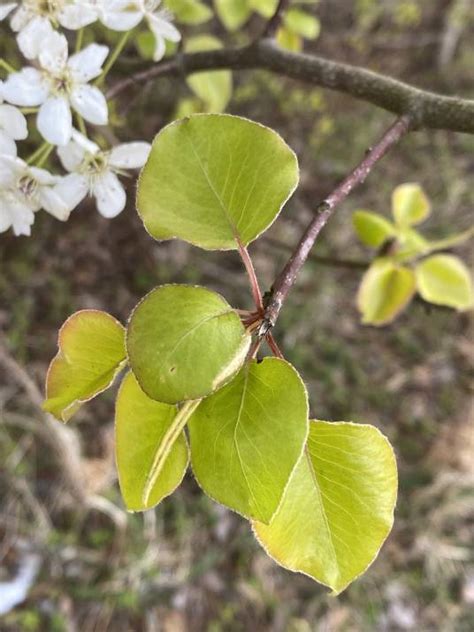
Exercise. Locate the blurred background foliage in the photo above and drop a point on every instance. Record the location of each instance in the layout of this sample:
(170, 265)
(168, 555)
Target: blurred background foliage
(190, 564)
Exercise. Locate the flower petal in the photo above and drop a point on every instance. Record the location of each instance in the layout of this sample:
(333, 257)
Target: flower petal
(72, 189)
(75, 16)
(12, 122)
(53, 53)
(71, 156)
(42, 176)
(16, 213)
(161, 27)
(11, 168)
(110, 195)
(6, 8)
(33, 37)
(54, 121)
(119, 15)
(90, 103)
(26, 88)
(54, 204)
(20, 18)
(87, 64)
(129, 155)
(7, 146)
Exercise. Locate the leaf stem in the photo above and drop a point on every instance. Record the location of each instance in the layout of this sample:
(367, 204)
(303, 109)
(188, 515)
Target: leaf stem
(167, 442)
(44, 156)
(113, 57)
(254, 285)
(273, 346)
(79, 39)
(4, 64)
(38, 153)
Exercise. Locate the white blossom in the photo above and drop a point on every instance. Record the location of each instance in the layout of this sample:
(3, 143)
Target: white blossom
(25, 190)
(123, 15)
(33, 18)
(12, 127)
(60, 84)
(94, 172)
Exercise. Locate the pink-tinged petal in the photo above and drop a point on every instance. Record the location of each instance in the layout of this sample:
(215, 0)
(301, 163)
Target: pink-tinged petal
(90, 103)
(12, 122)
(6, 9)
(27, 88)
(109, 194)
(76, 16)
(72, 189)
(54, 121)
(7, 145)
(87, 64)
(34, 37)
(129, 155)
(53, 54)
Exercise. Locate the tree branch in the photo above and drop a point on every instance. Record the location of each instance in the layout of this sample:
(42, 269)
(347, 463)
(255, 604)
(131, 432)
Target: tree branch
(287, 276)
(274, 22)
(427, 109)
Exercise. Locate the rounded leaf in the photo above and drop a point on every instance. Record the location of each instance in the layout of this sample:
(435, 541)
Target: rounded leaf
(141, 424)
(338, 507)
(247, 438)
(445, 280)
(91, 353)
(372, 229)
(189, 11)
(215, 180)
(184, 342)
(410, 205)
(214, 88)
(385, 290)
(232, 13)
(302, 23)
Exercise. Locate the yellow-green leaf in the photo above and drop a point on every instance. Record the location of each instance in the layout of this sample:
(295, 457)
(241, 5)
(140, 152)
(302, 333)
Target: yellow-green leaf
(302, 23)
(189, 11)
(214, 88)
(215, 180)
(371, 228)
(338, 507)
(289, 40)
(91, 353)
(143, 429)
(445, 280)
(266, 8)
(247, 438)
(233, 13)
(410, 205)
(385, 290)
(184, 342)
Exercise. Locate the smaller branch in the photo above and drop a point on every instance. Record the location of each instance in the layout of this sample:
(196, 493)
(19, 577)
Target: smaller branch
(287, 277)
(254, 285)
(351, 264)
(274, 22)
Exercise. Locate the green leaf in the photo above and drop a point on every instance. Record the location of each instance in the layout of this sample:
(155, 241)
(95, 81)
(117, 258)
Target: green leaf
(215, 179)
(247, 438)
(338, 508)
(232, 13)
(91, 353)
(142, 435)
(215, 87)
(372, 229)
(266, 8)
(184, 342)
(385, 290)
(445, 280)
(302, 23)
(289, 40)
(189, 11)
(410, 205)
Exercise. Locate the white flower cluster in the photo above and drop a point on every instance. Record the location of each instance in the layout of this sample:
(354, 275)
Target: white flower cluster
(54, 87)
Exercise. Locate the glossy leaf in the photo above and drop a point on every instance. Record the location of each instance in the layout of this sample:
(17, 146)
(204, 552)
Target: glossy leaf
(91, 353)
(233, 13)
(184, 342)
(214, 88)
(247, 438)
(302, 23)
(338, 507)
(189, 11)
(410, 205)
(215, 179)
(141, 428)
(445, 280)
(385, 290)
(372, 229)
